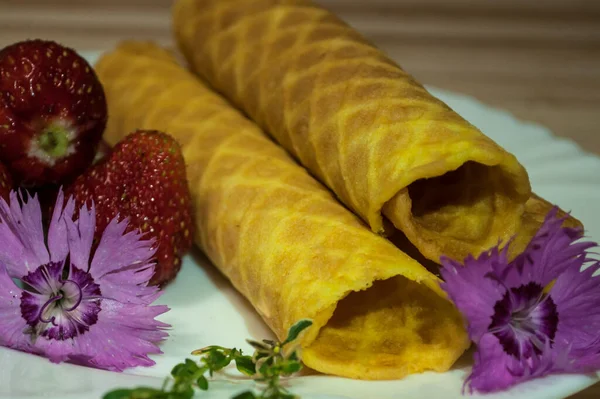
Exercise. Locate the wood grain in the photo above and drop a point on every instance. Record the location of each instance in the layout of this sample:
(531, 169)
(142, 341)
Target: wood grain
(539, 59)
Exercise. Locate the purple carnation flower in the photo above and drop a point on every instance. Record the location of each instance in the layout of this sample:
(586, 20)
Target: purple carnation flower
(536, 315)
(59, 300)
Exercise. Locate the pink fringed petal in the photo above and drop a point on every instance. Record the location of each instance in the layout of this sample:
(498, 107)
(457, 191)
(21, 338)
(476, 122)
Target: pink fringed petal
(472, 291)
(577, 297)
(81, 237)
(495, 370)
(23, 246)
(553, 250)
(118, 250)
(12, 324)
(58, 243)
(124, 336)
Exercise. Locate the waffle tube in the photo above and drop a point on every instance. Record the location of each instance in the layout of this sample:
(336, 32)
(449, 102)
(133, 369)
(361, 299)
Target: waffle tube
(364, 127)
(280, 237)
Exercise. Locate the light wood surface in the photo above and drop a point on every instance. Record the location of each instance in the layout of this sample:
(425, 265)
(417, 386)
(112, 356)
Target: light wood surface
(539, 59)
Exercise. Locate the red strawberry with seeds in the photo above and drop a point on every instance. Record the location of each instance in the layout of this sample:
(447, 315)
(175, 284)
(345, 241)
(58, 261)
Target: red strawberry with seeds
(102, 152)
(143, 178)
(5, 182)
(52, 112)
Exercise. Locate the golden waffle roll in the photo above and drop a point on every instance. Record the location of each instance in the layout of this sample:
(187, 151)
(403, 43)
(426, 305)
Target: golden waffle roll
(280, 237)
(357, 121)
(536, 210)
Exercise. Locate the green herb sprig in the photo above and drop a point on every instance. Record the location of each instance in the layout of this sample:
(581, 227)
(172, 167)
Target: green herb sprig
(270, 362)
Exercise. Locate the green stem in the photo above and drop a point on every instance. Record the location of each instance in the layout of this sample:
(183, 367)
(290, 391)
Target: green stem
(54, 140)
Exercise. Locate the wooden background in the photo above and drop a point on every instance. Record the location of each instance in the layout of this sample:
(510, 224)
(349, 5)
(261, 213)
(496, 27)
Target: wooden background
(539, 59)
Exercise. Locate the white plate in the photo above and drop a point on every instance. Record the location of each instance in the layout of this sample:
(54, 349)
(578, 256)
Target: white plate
(206, 310)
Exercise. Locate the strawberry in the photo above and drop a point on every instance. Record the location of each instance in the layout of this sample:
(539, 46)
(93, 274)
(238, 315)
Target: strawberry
(47, 194)
(52, 112)
(103, 151)
(144, 179)
(5, 182)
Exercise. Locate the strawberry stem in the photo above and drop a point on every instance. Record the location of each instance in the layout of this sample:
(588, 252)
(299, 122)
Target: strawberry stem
(54, 140)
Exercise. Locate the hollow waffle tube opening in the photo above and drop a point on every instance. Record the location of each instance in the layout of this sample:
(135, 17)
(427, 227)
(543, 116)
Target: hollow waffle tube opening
(394, 328)
(461, 204)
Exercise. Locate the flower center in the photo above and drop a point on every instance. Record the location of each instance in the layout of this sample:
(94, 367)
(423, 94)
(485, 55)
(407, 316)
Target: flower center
(58, 308)
(66, 300)
(524, 320)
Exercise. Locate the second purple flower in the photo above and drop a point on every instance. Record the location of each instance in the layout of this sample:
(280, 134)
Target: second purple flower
(536, 315)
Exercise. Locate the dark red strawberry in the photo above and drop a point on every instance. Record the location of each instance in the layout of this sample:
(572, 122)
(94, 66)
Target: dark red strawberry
(144, 179)
(52, 112)
(102, 152)
(47, 193)
(5, 182)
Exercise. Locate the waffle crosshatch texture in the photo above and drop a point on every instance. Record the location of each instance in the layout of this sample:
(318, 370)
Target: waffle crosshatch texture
(280, 237)
(357, 121)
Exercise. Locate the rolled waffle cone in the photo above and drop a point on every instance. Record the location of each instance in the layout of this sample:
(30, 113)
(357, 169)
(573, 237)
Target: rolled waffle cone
(280, 237)
(357, 122)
